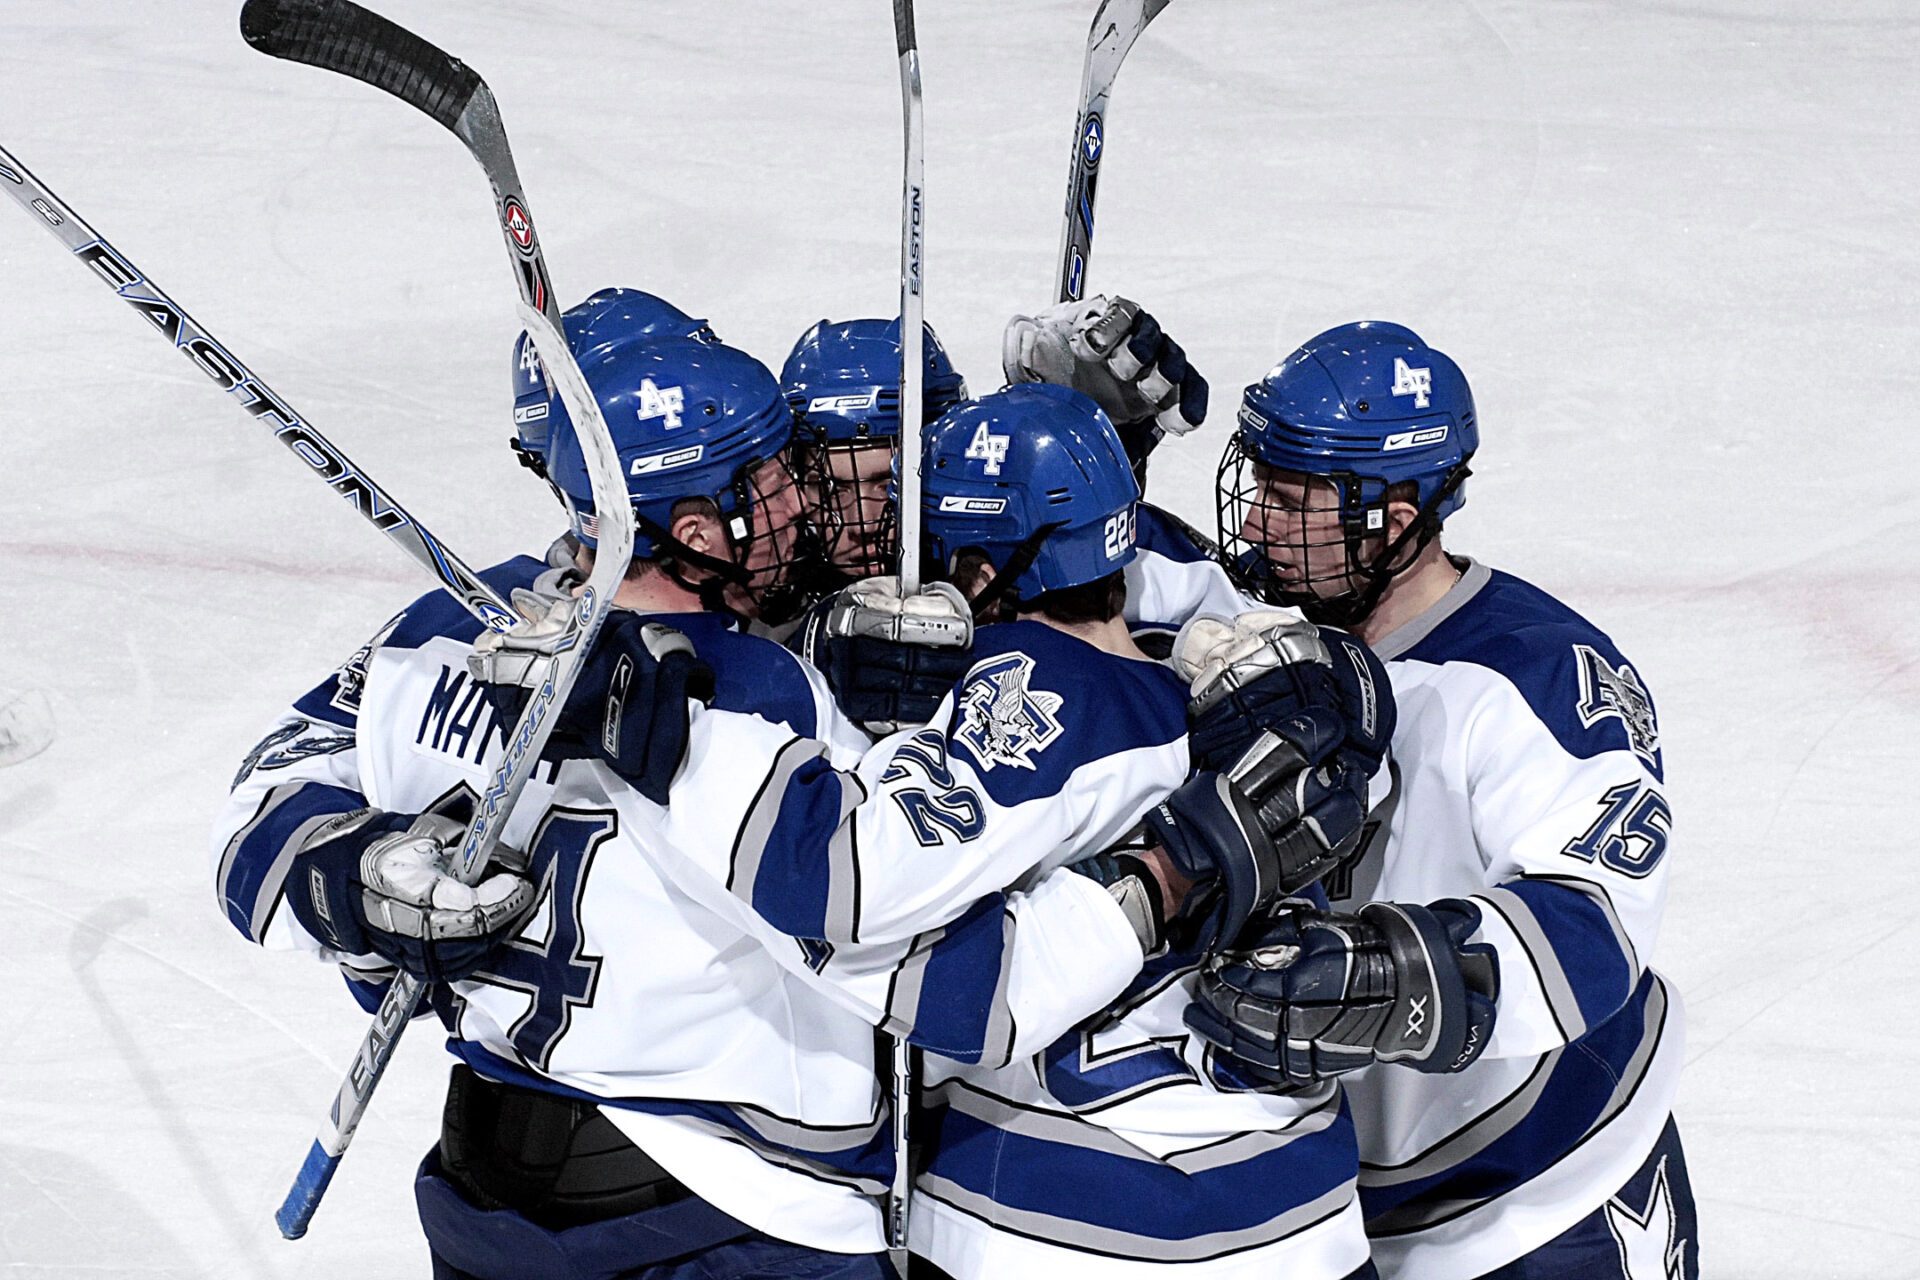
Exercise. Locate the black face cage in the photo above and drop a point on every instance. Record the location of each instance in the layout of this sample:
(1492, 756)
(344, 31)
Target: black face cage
(856, 524)
(1328, 577)
(774, 585)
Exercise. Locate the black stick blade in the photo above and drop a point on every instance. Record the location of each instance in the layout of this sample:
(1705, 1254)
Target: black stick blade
(338, 35)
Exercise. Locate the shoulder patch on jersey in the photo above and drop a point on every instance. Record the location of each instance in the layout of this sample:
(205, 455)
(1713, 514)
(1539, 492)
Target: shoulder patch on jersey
(1002, 720)
(350, 682)
(285, 745)
(1607, 690)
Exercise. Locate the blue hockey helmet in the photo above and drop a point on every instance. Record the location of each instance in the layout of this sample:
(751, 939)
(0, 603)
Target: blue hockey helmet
(843, 381)
(1371, 409)
(1034, 477)
(689, 419)
(612, 317)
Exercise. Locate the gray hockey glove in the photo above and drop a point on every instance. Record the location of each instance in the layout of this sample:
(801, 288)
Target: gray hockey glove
(1114, 353)
(1318, 994)
(628, 705)
(889, 659)
(372, 882)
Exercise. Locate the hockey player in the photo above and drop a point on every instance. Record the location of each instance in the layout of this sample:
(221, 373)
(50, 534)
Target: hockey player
(842, 380)
(641, 1082)
(1529, 817)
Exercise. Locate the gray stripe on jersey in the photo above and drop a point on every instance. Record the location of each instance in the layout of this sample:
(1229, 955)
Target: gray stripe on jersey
(260, 910)
(816, 1139)
(843, 864)
(750, 845)
(1546, 962)
(1067, 1130)
(1418, 1216)
(996, 1042)
(1125, 1244)
(1465, 1143)
(1397, 642)
(789, 1160)
(1604, 900)
(903, 992)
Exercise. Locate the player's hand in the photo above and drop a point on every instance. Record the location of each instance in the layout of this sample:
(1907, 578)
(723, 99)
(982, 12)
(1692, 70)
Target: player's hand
(1317, 994)
(1113, 352)
(628, 705)
(889, 659)
(376, 883)
(1284, 815)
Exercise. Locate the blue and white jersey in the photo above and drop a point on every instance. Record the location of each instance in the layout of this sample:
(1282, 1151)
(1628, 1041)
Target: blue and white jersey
(1528, 779)
(1175, 575)
(746, 1073)
(1110, 1148)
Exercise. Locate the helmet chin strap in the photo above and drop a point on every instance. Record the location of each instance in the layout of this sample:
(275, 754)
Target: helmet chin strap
(711, 590)
(1351, 607)
(1018, 563)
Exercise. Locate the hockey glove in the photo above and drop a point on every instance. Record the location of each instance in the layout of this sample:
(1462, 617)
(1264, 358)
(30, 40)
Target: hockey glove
(1267, 671)
(1318, 994)
(1276, 823)
(376, 883)
(1116, 354)
(889, 659)
(628, 705)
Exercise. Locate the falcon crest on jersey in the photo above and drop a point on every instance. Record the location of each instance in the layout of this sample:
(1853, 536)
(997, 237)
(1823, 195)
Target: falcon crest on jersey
(1607, 690)
(1002, 721)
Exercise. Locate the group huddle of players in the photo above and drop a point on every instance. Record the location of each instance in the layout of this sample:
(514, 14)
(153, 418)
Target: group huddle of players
(1272, 906)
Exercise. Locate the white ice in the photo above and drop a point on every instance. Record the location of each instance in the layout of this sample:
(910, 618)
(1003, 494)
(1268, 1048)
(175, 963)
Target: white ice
(1670, 242)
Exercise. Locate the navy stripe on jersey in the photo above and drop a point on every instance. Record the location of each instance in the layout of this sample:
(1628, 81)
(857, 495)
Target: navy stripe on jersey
(1586, 963)
(439, 614)
(254, 866)
(858, 1156)
(1059, 1179)
(748, 678)
(1161, 532)
(1572, 1095)
(792, 861)
(1038, 704)
(1570, 673)
(949, 997)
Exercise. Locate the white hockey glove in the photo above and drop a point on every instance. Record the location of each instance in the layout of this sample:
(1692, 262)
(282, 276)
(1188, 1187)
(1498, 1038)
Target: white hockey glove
(372, 882)
(1116, 354)
(889, 659)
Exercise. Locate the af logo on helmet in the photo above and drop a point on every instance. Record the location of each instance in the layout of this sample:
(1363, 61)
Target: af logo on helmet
(661, 402)
(1417, 383)
(990, 448)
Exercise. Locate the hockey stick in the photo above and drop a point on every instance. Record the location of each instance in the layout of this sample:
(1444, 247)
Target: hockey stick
(913, 363)
(913, 303)
(1116, 25)
(340, 36)
(255, 396)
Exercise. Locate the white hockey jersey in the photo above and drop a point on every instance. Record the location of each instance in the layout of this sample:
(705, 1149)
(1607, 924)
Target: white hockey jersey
(1529, 780)
(740, 1059)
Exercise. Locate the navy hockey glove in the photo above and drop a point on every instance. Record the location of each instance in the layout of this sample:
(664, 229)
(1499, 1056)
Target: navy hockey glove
(1273, 825)
(376, 883)
(628, 705)
(1317, 994)
(889, 660)
(1266, 672)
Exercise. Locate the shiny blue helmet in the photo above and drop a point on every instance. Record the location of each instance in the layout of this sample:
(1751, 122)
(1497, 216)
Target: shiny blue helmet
(689, 419)
(843, 381)
(611, 317)
(1036, 479)
(1379, 415)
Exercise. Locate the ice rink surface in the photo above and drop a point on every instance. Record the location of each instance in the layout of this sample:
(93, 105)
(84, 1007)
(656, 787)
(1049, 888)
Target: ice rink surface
(1672, 244)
